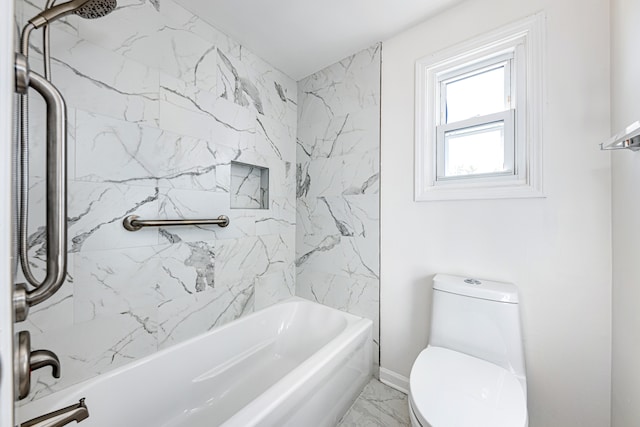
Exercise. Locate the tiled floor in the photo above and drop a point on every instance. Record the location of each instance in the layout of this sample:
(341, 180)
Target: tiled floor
(378, 405)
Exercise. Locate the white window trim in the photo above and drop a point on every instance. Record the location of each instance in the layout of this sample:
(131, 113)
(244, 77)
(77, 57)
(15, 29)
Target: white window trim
(526, 35)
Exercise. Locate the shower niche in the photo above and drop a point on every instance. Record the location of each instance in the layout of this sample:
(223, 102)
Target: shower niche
(249, 186)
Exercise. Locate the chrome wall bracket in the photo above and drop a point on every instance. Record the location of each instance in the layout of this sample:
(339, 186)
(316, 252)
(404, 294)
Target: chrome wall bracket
(22, 74)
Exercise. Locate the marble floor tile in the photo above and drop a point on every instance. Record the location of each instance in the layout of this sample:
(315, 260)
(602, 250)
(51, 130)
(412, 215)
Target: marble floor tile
(378, 405)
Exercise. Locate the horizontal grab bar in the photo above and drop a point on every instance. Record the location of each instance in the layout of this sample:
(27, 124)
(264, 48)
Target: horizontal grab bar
(133, 223)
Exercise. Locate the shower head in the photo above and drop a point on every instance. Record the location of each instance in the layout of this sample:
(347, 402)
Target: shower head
(89, 9)
(93, 9)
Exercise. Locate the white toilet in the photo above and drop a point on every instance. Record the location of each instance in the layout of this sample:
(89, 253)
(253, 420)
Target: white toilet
(472, 373)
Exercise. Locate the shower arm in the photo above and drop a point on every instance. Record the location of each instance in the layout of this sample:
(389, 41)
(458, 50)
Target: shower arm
(46, 46)
(56, 186)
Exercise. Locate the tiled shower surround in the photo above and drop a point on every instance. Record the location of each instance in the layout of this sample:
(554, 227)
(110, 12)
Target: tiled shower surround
(338, 171)
(160, 104)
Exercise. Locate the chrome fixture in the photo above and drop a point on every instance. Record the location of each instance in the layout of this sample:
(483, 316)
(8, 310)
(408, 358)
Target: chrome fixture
(132, 223)
(56, 227)
(628, 138)
(56, 191)
(78, 412)
(89, 9)
(27, 361)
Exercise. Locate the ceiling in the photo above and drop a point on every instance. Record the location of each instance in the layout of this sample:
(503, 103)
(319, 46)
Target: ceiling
(300, 37)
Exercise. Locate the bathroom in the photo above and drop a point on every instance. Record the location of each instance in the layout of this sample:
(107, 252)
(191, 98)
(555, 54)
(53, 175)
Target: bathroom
(174, 106)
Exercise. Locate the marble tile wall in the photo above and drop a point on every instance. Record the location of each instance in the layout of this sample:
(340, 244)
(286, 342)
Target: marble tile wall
(160, 103)
(337, 190)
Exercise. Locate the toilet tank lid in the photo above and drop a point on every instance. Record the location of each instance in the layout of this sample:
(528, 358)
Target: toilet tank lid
(476, 288)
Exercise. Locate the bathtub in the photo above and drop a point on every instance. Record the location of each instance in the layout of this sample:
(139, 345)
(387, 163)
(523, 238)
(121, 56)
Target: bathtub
(296, 363)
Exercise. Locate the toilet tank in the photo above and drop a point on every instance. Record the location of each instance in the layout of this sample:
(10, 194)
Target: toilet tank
(480, 318)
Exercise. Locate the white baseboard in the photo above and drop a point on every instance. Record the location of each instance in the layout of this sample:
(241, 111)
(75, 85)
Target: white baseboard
(394, 380)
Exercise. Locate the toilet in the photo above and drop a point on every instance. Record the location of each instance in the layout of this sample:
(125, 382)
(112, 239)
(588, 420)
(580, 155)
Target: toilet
(472, 373)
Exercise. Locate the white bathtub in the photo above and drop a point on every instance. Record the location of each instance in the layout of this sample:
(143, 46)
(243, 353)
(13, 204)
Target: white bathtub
(293, 364)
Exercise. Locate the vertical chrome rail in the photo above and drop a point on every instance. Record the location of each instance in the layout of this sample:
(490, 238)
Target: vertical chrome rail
(56, 183)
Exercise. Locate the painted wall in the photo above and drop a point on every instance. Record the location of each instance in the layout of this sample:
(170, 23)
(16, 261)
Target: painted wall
(625, 109)
(160, 103)
(338, 171)
(556, 249)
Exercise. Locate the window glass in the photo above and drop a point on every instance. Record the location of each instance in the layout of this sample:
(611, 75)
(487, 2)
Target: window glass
(475, 150)
(475, 95)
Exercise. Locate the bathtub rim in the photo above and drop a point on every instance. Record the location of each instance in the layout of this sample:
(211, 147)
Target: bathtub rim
(61, 398)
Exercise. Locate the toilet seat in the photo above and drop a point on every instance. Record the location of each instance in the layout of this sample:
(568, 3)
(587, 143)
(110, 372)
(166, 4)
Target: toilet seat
(452, 389)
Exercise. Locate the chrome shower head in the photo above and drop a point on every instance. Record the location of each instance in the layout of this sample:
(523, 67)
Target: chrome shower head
(93, 9)
(89, 9)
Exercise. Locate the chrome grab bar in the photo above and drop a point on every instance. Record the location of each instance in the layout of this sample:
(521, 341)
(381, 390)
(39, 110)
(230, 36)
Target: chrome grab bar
(56, 205)
(132, 223)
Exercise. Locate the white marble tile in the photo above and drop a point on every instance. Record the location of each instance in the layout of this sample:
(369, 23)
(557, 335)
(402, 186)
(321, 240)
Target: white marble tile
(188, 316)
(249, 186)
(321, 177)
(184, 121)
(350, 85)
(117, 151)
(275, 139)
(337, 185)
(362, 175)
(356, 295)
(280, 218)
(131, 30)
(127, 153)
(364, 215)
(90, 348)
(96, 211)
(353, 133)
(273, 288)
(344, 175)
(187, 268)
(186, 94)
(236, 83)
(55, 312)
(243, 260)
(101, 81)
(192, 204)
(325, 215)
(234, 126)
(117, 281)
(378, 405)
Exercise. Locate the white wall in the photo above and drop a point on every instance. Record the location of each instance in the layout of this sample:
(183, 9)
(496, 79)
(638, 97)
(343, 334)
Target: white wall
(556, 249)
(625, 109)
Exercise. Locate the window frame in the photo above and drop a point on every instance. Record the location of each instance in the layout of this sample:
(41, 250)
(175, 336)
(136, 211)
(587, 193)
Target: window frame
(521, 45)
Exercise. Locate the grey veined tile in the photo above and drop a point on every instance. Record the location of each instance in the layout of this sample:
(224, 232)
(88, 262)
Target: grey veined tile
(378, 405)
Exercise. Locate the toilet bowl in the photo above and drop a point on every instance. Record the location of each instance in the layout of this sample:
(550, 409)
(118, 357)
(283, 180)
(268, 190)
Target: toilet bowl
(452, 389)
(472, 373)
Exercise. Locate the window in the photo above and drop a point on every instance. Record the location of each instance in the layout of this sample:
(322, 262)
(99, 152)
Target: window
(478, 119)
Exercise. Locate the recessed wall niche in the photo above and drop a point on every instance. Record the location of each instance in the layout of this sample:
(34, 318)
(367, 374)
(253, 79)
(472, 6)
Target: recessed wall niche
(249, 186)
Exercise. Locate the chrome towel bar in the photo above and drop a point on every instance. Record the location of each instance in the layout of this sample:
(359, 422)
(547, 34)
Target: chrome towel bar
(133, 223)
